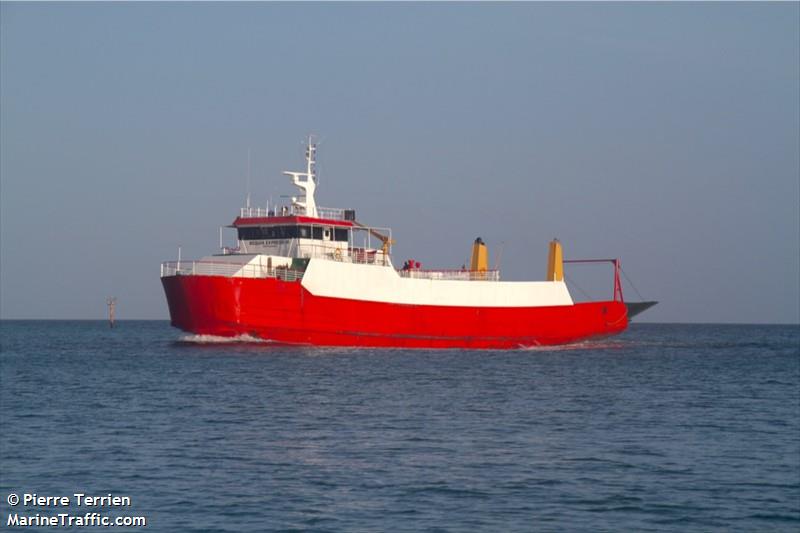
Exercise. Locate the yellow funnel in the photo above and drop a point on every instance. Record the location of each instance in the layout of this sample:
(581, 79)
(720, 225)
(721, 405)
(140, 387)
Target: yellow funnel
(555, 262)
(480, 256)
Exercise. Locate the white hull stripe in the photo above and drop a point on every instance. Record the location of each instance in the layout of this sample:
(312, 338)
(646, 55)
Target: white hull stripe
(374, 283)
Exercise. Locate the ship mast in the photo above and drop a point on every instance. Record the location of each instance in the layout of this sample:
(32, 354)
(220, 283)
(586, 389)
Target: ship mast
(306, 182)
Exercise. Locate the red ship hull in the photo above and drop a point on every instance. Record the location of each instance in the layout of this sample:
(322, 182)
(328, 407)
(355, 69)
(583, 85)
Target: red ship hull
(285, 312)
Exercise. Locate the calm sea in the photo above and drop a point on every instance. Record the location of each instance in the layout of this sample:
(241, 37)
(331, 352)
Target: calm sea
(667, 427)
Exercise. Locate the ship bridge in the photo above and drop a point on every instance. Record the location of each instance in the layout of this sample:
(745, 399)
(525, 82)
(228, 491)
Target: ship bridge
(304, 230)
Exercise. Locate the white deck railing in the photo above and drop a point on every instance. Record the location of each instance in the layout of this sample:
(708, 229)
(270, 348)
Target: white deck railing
(328, 213)
(228, 270)
(459, 275)
(330, 250)
(363, 256)
(253, 212)
(236, 270)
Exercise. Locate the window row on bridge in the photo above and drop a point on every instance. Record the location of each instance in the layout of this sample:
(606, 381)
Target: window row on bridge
(257, 233)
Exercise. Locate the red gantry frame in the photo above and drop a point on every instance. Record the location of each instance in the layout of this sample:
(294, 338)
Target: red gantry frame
(617, 283)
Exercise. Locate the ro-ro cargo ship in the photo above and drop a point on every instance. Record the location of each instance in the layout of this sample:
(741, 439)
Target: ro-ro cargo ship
(305, 274)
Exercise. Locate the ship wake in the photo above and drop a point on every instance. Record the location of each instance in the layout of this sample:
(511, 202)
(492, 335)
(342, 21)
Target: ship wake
(216, 339)
(584, 345)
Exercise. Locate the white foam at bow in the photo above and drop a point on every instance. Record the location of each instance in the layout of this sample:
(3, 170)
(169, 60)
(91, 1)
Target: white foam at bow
(215, 339)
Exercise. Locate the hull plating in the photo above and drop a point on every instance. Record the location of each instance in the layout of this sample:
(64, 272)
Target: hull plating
(285, 312)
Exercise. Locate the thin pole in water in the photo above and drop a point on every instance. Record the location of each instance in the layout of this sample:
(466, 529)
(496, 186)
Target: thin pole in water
(111, 302)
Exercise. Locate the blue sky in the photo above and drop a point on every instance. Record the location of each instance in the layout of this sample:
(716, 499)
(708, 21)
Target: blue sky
(664, 134)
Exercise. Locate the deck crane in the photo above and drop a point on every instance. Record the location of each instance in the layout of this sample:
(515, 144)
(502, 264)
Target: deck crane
(387, 241)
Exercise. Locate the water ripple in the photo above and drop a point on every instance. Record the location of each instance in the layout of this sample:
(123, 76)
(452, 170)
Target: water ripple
(666, 427)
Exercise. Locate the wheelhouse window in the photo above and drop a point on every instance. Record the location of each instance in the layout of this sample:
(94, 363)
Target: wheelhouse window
(260, 233)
